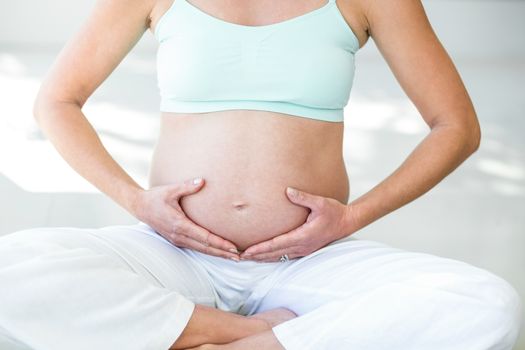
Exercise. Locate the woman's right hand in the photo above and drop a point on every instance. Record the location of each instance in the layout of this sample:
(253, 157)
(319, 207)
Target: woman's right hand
(159, 207)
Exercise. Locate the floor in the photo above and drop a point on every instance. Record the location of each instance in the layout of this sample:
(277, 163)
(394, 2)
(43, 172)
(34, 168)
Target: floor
(476, 214)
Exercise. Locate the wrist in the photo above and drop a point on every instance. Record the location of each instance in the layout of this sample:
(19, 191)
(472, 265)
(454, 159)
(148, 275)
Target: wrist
(350, 222)
(133, 201)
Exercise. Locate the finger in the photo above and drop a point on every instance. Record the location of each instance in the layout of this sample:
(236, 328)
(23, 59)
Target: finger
(276, 243)
(292, 252)
(185, 188)
(188, 242)
(304, 199)
(200, 234)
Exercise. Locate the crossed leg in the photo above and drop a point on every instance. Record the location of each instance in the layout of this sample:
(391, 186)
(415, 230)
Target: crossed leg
(366, 295)
(355, 294)
(108, 288)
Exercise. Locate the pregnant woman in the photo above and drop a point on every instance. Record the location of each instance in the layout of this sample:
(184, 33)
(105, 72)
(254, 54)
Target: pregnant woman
(252, 99)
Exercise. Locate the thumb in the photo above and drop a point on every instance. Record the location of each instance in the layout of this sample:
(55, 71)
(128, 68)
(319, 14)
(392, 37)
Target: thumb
(302, 198)
(188, 187)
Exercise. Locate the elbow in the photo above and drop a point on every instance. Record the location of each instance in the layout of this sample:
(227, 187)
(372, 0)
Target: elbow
(474, 136)
(37, 107)
(466, 130)
(48, 99)
(476, 142)
(466, 133)
(41, 102)
(46, 104)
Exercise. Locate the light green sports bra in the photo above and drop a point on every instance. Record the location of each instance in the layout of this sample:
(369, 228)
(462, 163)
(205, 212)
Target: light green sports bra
(303, 66)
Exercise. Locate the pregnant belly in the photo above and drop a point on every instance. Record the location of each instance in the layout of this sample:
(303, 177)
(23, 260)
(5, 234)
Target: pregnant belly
(241, 214)
(247, 167)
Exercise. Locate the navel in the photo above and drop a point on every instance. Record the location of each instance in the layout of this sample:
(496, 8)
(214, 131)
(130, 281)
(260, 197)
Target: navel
(239, 206)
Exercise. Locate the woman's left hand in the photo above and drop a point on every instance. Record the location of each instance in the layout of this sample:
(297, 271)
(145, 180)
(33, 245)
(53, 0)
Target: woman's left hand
(328, 221)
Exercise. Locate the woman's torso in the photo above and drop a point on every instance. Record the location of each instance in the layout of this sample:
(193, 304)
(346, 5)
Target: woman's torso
(248, 158)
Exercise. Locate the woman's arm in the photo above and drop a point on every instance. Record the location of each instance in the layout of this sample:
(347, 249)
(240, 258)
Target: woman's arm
(426, 73)
(109, 33)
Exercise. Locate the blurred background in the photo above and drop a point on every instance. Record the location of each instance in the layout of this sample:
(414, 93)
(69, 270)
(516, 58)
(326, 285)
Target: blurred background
(476, 214)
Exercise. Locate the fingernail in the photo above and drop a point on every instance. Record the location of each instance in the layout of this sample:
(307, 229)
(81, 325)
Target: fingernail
(233, 250)
(234, 258)
(197, 180)
(291, 191)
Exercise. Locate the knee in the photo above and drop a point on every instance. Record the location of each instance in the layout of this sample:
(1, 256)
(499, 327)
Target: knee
(24, 244)
(511, 306)
(40, 235)
(29, 233)
(482, 303)
(19, 237)
(504, 309)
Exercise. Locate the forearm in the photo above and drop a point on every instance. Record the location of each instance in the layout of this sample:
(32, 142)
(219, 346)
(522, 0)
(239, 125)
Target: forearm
(65, 125)
(209, 325)
(440, 152)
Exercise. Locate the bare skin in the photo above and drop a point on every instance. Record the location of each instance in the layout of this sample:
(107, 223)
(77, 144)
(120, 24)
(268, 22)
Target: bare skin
(209, 325)
(217, 146)
(261, 341)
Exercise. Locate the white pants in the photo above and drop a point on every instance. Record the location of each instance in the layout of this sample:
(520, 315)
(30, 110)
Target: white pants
(126, 287)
